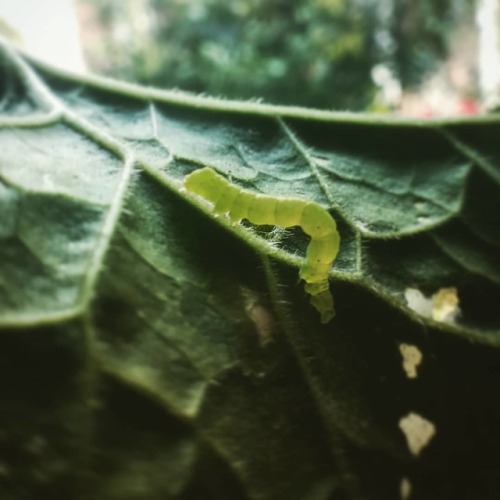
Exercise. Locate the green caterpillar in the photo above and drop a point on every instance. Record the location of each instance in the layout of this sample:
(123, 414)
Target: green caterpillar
(314, 220)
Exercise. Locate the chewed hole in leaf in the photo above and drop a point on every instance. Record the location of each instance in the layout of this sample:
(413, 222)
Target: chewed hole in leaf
(418, 432)
(442, 306)
(412, 358)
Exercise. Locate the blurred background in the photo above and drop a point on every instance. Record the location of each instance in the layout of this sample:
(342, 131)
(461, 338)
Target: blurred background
(422, 58)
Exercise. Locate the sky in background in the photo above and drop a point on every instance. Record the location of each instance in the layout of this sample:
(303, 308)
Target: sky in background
(48, 29)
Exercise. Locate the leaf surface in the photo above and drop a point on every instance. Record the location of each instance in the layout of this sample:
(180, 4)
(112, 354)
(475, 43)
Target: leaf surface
(151, 350)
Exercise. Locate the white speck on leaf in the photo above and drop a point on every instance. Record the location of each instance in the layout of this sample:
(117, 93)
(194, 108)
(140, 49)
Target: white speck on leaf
(417, 301)
(445, 305)
(412, 357)
(405, 488)
(418, 432)
(259, 314)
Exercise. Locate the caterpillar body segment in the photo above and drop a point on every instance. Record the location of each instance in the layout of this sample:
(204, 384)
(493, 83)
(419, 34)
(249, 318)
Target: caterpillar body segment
(317, 222)
(226, 201)
(262, 210)
(323, 303)
(288, 212)
(259, 209)
(320, 254)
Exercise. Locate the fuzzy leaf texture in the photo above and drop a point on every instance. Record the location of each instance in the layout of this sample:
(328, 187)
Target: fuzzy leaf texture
(151, 350)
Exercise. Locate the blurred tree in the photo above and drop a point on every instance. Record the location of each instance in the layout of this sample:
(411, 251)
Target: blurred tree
(316, 53)
(421, 30)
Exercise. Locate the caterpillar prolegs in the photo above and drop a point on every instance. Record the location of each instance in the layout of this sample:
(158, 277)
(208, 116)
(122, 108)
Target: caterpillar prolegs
(314, 220)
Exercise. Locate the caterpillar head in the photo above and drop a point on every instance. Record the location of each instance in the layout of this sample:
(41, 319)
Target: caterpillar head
(205, 182)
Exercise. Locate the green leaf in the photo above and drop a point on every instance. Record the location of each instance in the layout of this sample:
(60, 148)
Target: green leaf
(151, 350)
